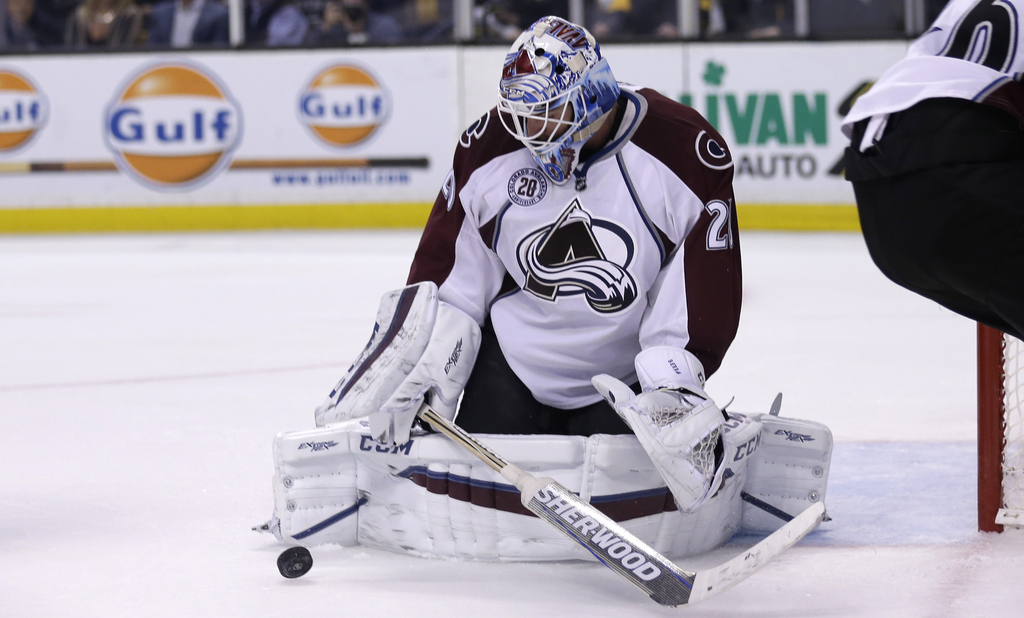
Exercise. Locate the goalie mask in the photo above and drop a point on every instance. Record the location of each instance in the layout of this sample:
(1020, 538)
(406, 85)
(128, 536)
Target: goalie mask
(556, 91)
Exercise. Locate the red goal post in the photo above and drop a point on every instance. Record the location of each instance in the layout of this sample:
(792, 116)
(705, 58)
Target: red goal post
(1000, 430)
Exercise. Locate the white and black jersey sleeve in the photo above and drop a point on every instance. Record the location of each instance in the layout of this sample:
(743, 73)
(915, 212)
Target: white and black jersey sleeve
(972, 51)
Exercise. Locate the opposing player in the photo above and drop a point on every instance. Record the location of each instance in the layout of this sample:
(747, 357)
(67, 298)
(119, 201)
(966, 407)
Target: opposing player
(936, 160)
(584, 246)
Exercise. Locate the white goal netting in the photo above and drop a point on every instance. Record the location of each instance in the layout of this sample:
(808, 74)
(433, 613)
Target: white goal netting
(1011, 511)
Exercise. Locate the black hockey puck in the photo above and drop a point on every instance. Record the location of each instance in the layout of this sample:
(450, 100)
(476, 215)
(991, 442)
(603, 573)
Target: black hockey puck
(294, 562)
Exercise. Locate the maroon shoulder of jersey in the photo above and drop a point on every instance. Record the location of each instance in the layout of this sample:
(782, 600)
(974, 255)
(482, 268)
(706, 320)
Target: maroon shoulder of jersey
(684, 141)
(484, 140)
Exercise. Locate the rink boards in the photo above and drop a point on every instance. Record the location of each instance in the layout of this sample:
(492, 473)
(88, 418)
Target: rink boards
(364, 138)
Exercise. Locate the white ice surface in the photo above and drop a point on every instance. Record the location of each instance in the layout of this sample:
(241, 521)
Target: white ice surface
(142, 379)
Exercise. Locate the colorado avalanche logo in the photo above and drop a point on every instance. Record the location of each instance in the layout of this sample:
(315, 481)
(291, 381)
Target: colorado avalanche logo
(567, 258)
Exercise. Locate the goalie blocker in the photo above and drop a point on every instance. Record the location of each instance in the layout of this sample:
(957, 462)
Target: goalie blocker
(422, 349)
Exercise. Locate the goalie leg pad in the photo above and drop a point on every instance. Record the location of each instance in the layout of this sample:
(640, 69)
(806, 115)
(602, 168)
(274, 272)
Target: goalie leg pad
(316, 497)
(788, 472)
(431, 497)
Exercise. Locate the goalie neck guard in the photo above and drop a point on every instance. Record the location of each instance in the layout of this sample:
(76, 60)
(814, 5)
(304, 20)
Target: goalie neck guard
(556, 91)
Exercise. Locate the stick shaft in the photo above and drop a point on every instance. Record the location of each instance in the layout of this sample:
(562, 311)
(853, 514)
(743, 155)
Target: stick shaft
(459, 436)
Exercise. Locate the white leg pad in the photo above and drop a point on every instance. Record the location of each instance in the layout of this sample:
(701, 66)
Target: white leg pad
(431, 497)
(788, 471)
(315, 484)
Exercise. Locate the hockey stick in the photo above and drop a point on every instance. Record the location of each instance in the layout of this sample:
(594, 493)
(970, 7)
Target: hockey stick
(616, 547)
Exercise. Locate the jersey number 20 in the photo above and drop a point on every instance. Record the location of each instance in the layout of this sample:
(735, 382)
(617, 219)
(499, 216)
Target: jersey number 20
(986, 35)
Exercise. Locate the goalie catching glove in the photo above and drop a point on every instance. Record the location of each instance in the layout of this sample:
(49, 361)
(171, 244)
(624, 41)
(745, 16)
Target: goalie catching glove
(676, 422)
(421, 349)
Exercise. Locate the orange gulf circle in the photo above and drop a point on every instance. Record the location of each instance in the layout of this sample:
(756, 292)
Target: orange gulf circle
(13, 82)
(170, 81)
(343, 75)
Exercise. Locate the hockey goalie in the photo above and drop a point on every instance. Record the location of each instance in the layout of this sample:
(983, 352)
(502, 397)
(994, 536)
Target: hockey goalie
(684, 479)
(576, 283)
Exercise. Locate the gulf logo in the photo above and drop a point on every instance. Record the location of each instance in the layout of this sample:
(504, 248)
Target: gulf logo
(173, 126)
(23, 110)
(344, 105)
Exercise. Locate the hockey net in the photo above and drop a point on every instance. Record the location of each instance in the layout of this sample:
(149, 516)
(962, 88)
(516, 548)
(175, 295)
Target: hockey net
(1000, 430)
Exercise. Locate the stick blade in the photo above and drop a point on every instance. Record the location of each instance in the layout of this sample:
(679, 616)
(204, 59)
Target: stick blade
(712, 581)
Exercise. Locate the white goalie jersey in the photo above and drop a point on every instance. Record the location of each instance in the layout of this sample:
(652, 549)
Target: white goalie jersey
(577, 280)
(972, 51)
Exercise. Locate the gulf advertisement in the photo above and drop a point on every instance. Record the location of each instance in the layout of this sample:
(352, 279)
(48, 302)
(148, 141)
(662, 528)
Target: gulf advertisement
(226, 129)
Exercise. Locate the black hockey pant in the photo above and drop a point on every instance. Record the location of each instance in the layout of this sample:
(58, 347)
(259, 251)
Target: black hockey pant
(953, 233)
(497, 401)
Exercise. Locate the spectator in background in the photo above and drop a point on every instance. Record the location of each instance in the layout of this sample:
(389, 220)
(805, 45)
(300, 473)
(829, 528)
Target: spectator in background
(609, 17)
(185, 23)
(47, 22)
(17, 26)
(641, 18)
(528, 12)
(331, 32)
(498, 21)
(757, 19)
(352, 22)
(654, 18)
(933, 8)
(508, 18)
(276, 23)
(422, 20)
(104, 23)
